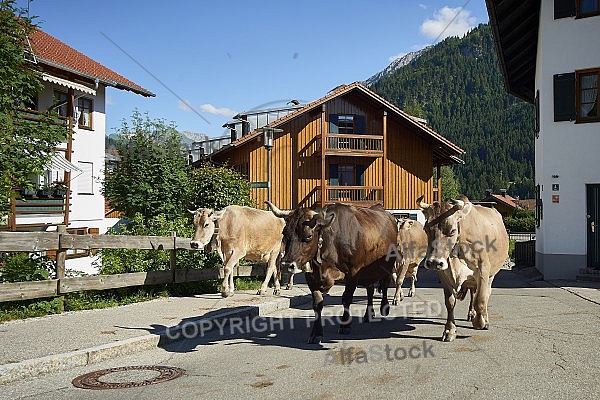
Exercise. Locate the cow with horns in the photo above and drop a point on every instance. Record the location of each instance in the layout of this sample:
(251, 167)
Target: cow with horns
(467, 245)
(340, 241)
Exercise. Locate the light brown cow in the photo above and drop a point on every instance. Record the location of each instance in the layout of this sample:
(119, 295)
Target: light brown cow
(468, 244)
(412, 243)
(243, 232)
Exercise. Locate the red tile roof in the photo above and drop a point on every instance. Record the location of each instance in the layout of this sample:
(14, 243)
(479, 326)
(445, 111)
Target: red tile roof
(51, 51)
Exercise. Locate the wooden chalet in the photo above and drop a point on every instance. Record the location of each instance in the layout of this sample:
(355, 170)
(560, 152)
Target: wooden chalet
(351, 146)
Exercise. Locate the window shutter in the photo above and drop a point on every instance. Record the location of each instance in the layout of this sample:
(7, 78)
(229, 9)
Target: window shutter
(537, 114)
(360, 123)
(333, 123)
(564, 8)
(333, 175)
(564, 97)
(85, 181)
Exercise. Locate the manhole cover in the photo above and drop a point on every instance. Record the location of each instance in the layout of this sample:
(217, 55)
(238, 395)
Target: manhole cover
(92, 380)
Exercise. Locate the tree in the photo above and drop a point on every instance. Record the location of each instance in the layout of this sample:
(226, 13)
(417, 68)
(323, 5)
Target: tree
(151, 178)
(27, 146)
(450, 186)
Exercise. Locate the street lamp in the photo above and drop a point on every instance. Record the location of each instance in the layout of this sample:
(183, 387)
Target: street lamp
(268, 140)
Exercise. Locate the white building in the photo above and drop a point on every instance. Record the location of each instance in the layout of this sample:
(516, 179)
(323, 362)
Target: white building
(75, 87)
(550, 56)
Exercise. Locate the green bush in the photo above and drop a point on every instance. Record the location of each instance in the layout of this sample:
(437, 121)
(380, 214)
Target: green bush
(22, 267)
(217, 187)
(119, 261)
(521, 221)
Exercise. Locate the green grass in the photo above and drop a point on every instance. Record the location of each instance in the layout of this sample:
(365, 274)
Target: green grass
(247, 283)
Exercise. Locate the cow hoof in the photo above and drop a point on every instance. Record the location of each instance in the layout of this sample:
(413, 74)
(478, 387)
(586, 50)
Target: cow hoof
(395, 302)
(448, 336)
(344, 330)
(315, 339)
(470, 316)
(368, 317)
(260, 292)
(479, 322)
(410, 294)
(385, 309)
(227, 294)
(276, 292)
(288, 287)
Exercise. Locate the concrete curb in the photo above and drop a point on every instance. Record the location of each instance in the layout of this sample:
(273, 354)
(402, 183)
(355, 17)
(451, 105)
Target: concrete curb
(93, 355)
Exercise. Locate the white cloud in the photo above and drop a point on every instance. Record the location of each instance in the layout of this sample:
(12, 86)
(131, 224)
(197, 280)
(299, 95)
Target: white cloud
(224, 111)
(423, 6)
(108, 101)
(184, 105)
(442, 21)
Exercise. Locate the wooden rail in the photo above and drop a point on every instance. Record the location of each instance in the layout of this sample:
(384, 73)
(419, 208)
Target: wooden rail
(359, 145)
(354, 194)
(61, 242)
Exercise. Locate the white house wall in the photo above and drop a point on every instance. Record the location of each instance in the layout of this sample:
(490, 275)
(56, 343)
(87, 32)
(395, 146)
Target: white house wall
(565, 149)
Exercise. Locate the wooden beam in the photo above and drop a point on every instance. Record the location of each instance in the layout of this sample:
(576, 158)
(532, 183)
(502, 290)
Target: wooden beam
(28, 241)
(324, 138)
(384, 166)
(88, 242)
(28, 290)
(103, 282)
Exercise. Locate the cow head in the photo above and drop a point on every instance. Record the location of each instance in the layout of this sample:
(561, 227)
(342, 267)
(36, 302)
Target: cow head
(405, 223)
(442, 229)
(301, 234)
(204, 227)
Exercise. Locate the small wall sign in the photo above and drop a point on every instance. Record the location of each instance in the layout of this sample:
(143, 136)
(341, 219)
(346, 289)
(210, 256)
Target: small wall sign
(555, 187)
(556, 198)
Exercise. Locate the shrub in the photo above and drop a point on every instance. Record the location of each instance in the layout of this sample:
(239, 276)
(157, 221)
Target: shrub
(217, 187)
(22, 267)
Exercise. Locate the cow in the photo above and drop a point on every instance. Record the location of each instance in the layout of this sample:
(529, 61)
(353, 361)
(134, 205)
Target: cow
(242, 232)
(412, 242)
(467, 245)
(340, 242)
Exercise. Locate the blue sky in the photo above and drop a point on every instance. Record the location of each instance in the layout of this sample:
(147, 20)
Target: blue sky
(224, 57)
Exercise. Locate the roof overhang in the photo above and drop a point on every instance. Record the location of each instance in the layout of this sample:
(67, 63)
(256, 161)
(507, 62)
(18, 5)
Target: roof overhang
(60, 163)
(69, 84)
(515, 26)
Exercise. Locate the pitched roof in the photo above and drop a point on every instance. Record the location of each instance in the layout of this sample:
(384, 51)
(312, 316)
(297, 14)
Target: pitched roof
(445, 150)
(507, 199)
(52, 52)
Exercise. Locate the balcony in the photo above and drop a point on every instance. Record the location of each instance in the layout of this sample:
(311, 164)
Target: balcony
(357, 195)
(352, 145)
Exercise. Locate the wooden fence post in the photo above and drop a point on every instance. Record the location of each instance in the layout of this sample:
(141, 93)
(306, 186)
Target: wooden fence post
(173, 261)
(61, 254)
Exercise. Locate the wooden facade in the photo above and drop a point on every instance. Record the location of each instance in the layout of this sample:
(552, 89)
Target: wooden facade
(351, 146)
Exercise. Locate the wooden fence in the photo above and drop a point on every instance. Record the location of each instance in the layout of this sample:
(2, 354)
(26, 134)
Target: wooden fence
(61, 242)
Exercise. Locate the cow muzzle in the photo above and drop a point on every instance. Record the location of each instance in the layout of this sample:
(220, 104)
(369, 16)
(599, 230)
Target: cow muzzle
(436, 264)
(290, 267)
(194, 244)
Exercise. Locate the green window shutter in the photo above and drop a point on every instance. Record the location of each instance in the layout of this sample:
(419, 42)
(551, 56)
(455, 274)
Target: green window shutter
(360, 175)
(564, 8)
(564, 97)
(359, 123)
(333, 123)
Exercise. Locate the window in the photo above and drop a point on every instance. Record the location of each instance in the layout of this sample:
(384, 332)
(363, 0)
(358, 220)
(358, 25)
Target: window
(588, 8)
(85, 181)
(84, 113)
(587, 96)
(60, 99)
(564, 97)
(346, 123)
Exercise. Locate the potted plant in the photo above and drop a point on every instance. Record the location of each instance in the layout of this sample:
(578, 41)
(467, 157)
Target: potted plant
(27, 193)
(44, 192)
(59, 190)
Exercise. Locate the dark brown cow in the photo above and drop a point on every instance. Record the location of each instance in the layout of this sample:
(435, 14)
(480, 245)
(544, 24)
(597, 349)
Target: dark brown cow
(340, 241)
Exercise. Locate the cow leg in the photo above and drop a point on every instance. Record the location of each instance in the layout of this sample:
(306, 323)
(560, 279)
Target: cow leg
(450, 328)
(347, 296)
(482, 295)
(471, 313)
(290, 283)
(384, 308)
(398, 278)
(413, 290)
(271, 271)
(316, 334)
(227, 287)
(370, 313)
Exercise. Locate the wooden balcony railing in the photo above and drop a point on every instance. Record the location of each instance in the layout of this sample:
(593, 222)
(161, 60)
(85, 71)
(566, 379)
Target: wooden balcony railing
(360, 145)
(354, 194)
(35, 116)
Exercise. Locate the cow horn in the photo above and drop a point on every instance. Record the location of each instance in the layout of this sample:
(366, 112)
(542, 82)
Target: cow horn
(458, 204)
(192, 212)
(278, 213)
(421, 203)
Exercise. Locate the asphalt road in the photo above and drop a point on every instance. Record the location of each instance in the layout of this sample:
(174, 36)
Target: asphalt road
(543, 342)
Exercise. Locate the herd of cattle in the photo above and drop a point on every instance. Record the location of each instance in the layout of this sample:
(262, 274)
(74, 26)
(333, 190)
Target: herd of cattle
(467, 244)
